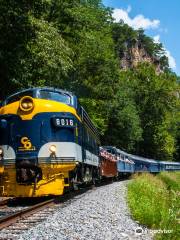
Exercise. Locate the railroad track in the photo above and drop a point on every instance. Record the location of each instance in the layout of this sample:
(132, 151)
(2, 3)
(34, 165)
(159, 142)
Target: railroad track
(13, 218)
(12, 225)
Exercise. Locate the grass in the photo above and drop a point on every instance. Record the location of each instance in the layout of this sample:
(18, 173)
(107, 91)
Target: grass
(154, 202)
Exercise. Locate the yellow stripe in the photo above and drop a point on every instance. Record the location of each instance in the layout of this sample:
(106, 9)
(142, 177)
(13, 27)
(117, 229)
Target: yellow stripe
(40, 105)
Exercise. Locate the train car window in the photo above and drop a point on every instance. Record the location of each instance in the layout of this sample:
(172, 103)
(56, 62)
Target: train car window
(56, 96)
(17, 97)
(109, 150)
(113, 151)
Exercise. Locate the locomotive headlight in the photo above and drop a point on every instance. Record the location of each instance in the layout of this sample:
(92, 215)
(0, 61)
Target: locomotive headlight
(52, 148)
(26, 103)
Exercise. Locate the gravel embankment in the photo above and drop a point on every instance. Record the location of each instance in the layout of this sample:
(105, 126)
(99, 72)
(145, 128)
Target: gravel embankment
(99, 214)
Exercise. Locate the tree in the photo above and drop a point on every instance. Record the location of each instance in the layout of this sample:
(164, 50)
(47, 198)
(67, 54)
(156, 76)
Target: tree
(157, 106)
(124, 130)
(32, 50)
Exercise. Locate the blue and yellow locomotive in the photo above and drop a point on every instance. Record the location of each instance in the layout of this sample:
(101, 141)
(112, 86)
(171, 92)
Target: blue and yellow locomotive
(47, 141)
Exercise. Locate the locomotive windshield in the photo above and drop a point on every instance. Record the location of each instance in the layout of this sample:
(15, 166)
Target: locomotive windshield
(42, 94)
(56, 96)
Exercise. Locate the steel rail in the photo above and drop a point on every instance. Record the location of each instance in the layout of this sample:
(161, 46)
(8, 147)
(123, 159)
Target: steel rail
(13, 218)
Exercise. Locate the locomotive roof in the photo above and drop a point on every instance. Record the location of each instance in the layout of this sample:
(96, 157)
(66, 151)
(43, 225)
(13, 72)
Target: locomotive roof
(41, 88)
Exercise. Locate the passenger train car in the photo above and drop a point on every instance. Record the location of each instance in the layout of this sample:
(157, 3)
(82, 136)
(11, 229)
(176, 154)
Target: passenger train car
(125, 165)
(169, 166)
(145, 165)
(108, 164)
(47, 141)
(128, 163)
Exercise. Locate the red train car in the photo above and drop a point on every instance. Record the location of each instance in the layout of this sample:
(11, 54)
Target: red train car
(108, 165)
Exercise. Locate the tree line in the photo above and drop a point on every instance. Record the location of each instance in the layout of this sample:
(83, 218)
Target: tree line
(76, 45)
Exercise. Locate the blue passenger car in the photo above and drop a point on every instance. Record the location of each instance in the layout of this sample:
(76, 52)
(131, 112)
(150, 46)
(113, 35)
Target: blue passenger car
(169, 166)
(125, 162)
(125, 166)
(145, 164)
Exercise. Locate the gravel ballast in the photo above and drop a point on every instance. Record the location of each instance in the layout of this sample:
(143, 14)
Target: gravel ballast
(99, 214)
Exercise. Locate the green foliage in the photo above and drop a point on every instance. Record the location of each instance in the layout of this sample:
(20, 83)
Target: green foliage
(124, 37)
(177, 153)
(171, 180)
(32, 51)
(153, 201)
(15, 31)
(146, 196)
(124, 123)
(49, 57)
(155, 50)
(156, 104)
(98, 111)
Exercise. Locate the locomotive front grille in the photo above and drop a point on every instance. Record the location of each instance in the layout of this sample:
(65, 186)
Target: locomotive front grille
(56, 160)
(8, 162)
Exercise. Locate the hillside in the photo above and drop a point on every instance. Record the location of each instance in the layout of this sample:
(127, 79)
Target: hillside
(134, 47)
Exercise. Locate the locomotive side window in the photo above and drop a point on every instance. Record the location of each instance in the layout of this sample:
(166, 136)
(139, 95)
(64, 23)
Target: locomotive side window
(56, 96)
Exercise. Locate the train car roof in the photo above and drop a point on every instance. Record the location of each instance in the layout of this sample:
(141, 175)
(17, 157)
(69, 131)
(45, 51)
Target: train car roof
(172, 163)
(133, 157)
(138, 158)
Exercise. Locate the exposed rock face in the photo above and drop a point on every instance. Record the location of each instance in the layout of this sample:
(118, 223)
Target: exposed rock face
(133, 55)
